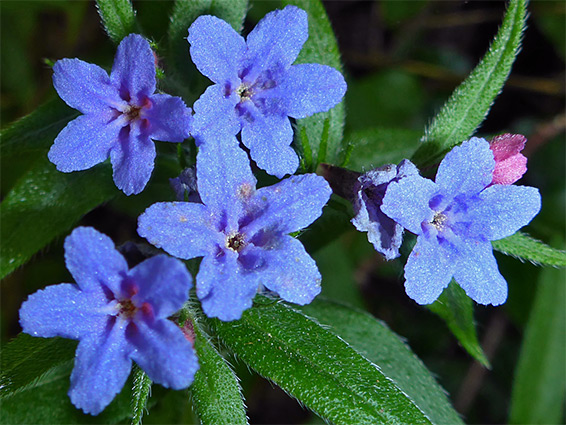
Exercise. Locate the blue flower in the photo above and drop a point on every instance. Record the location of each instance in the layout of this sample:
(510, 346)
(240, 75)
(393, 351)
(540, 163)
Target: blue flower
(241, 232)
(121, 115)
(384, 233)
(455, 219)
(256, 86)
(119, 315)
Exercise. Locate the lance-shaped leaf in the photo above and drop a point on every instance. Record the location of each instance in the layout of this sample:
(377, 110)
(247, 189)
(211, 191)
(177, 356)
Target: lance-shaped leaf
(471, 101)
(118, 18)
(521, 245)
(315, 366)
(140, 395)
(321, 47)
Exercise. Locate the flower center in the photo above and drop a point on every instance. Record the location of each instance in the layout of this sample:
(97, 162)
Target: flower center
(245, 92)
(439, 221)
(133, 112)
(235, 242)
(127, 309)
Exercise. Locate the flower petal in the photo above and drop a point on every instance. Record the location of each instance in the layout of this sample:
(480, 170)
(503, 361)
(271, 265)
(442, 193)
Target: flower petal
(169, 118)
(504, 209)
(215, 116)
(63, 310)
(277, 39)
(163, 282)
(93, 261)
(310, 88)
(84, 86)
(216, 49)
(102, 365)
(183, 229)
(268, 139)
(291, 272)
(476, 272)
(407, 201)
(466, 169)
(132, 159)
(222, 287)
(84, 142)
(164, 353)
(133, 71)
(429, 270)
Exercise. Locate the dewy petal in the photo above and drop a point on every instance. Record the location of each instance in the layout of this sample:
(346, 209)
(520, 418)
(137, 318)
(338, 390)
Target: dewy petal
(310, 88)
(215, 116)
(102, 365)
(268, 139)
(477, 273)
(133, 71)
(224, 289)
(163, 282)
(183, 229)
(277, 39)
(428, 271)
(84, 86)
(63, 310)
(216, 49)
(509, 170)
(466, 169)
(503, 209)
(132, 159)
(291, 272)
(290, 205)
(169, 118)
(163, 352)
(407, 202)
(84, 142)
(93, 261)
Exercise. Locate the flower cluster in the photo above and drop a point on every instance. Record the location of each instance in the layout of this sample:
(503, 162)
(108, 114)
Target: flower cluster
(241, 232)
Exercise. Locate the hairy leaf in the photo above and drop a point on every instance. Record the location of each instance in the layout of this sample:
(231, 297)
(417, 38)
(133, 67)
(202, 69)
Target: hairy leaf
(140, 395)
(521, 245)
(118, 18)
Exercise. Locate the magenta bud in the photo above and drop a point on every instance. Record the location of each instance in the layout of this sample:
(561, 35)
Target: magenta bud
(510, 164)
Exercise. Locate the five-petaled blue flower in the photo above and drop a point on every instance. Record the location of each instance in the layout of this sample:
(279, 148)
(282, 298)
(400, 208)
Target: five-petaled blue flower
(455, 219)
(121, 115)
(242, 233)
(256, 86)
(119, 315)
(384, 233)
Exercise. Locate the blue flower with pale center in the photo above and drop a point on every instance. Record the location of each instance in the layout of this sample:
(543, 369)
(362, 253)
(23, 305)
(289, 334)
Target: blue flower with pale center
(385, 234)
(118, 315)
(122, 114)
(256, 86)
(455, 219)
(241, 232)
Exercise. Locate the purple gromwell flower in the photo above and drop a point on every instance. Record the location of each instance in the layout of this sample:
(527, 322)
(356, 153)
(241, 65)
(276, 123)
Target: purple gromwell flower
(455, 219)
(510, 164)
(256, 86)
(384, 233)
(122, 114)
(241, 232)
(118, 315)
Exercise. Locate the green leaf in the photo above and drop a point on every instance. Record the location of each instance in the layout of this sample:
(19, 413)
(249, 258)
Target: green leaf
(321, 47)
(186, 76)
(26, 359)
(45, 203)
(538, 390)
(118, 17)
(216, 394)
(140, 395)
(471, 101)
(377, 343)
(521, 245)
(374, 147)
(457, 310)
(315, 366)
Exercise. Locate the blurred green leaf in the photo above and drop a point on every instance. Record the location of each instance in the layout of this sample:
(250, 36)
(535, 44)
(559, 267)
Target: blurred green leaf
(540, 380)
(118, 18)
(316, 366)
(45, 203)
(216, 394)
(321, 47)
(457, 310)
(472, 100)
(522, 246)
(377, 343)
(140, 395)
(374, 147)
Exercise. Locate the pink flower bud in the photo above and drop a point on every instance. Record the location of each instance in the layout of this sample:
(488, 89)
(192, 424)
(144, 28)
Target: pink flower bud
(510, 164)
